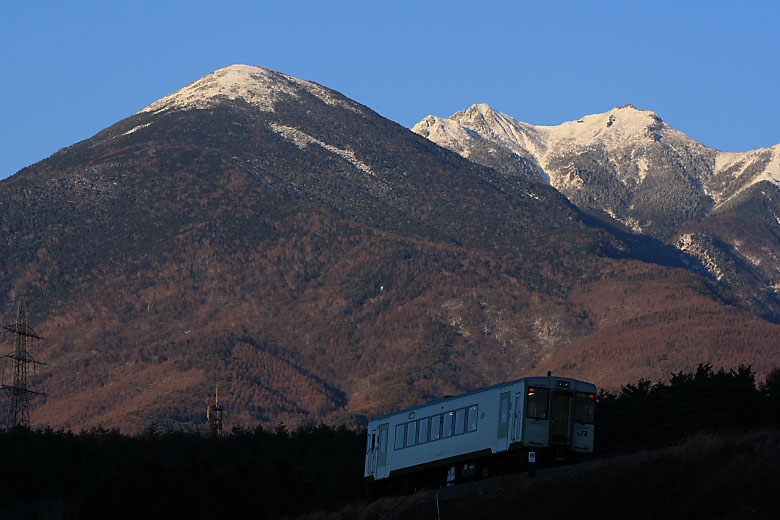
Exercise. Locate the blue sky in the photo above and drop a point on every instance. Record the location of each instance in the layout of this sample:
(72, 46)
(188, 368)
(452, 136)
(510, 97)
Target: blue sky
(710, 69)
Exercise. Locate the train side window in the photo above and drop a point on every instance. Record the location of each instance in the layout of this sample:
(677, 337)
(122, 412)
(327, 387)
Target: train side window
(584, 408)
(372, 442)
(435, 427)
(504, 410)
(538, 403)
(447, 423)
(422, 432)
(460, 421)
(411, 433)
(400, 434)
(382, 440)
(471, 423)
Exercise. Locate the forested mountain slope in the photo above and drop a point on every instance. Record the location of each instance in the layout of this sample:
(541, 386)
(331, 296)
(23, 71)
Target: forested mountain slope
(321, 262)
(630, 166)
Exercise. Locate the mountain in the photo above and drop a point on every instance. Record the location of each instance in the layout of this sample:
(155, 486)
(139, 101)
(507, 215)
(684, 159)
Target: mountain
(631, 166)
(321, 263)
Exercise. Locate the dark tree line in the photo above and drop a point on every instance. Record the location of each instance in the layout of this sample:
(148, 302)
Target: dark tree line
(270, 474)
(246, 474)
(646, 415)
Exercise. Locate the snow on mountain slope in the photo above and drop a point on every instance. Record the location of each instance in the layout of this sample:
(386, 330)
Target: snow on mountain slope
(255, 85)
(631, 165)
(744, 169)
(481, 122)
(602, 161)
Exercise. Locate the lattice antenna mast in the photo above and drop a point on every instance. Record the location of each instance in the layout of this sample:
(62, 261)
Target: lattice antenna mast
(18, 393)
(214, 411)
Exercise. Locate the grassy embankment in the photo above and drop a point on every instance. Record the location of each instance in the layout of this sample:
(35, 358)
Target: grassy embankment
(706, 476)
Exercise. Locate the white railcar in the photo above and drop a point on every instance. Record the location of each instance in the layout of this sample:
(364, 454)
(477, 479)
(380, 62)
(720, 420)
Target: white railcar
(530, 414)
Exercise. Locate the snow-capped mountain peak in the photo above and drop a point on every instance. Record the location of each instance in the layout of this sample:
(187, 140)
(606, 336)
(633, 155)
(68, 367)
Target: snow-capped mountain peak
(257, 86)
(719, 208)
(620, 162)
(481, 122)
(614, 127)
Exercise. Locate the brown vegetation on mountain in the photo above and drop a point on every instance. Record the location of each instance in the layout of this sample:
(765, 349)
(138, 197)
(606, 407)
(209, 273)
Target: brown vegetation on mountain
(650, 326)
(181, 249)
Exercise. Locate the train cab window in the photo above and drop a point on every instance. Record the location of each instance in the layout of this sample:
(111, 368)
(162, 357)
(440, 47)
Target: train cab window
(411, 433)
(372, 442)
(422, 432)
(584, 408)
(400, 434)
(447, 424)
(460, 421)
(538, 403)
(471, 422)
(435, 427)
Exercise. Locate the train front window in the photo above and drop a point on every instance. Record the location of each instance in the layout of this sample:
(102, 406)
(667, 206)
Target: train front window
(538, 403)
(584, 408)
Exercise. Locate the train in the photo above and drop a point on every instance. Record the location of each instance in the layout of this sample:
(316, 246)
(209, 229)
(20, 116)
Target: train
(482, 431)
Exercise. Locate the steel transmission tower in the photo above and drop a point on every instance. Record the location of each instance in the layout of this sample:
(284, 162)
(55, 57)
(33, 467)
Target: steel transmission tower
(214, 415)
(18, 393)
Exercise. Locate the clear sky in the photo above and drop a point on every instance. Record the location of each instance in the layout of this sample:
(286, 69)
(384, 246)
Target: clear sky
(710, 69)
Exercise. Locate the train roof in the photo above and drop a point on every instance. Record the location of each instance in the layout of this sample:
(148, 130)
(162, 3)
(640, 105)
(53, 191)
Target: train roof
(533, 379)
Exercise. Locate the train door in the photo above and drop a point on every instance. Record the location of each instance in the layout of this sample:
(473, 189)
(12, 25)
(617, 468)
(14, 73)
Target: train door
(537, 420)
(584, 409)
(381, 451)
(517, 434)
(371, 452)
(504, 410)
(560, 427)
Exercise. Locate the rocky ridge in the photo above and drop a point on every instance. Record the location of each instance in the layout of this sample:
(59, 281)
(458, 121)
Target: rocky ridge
(631, 166)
